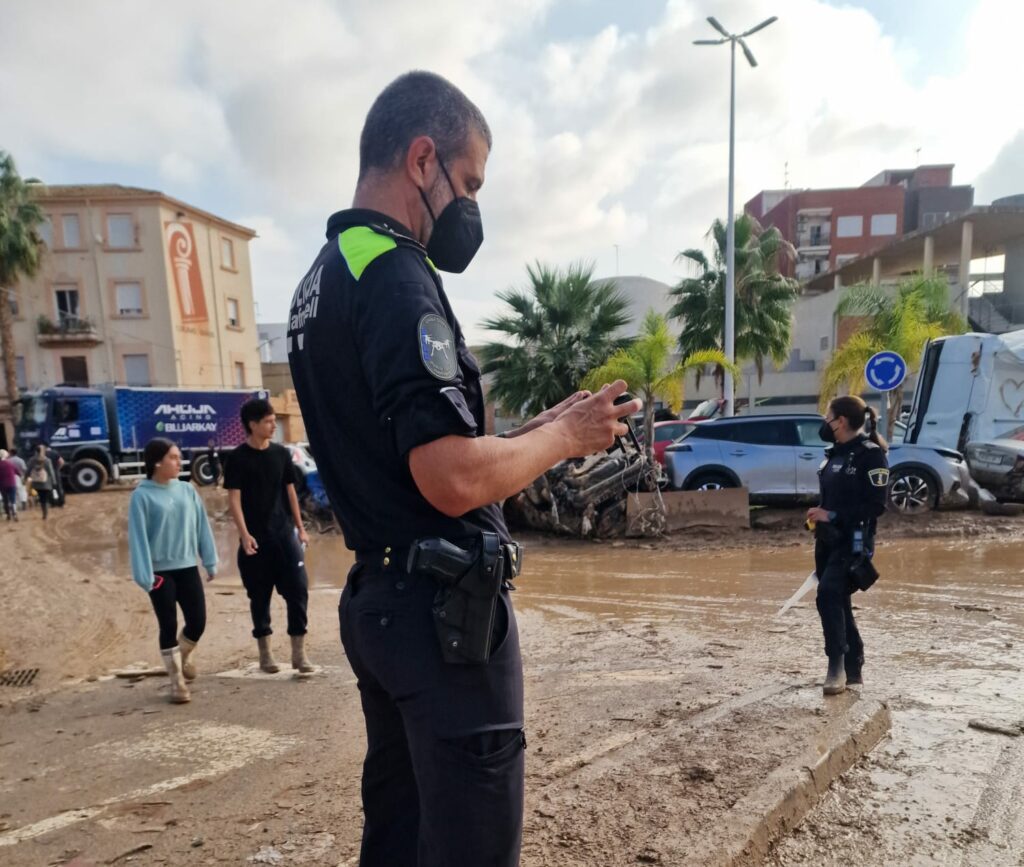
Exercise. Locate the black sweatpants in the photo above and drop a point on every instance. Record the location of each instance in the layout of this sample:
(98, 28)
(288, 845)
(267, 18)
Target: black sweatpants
(835, 607)
(45, 498)
(10, 497)
(277, 564)
(184, 588)
(443, 775)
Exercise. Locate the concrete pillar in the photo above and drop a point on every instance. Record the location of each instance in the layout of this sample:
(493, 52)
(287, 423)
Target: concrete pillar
(1013, 280)
(964, 279)
(837, 282)
(876, 271)
(929, 256)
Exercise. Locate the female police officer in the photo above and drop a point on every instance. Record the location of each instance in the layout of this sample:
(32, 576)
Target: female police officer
(854, 484)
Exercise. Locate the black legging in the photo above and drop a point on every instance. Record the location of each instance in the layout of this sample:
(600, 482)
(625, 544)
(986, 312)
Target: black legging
(44, 495)
(181, 587)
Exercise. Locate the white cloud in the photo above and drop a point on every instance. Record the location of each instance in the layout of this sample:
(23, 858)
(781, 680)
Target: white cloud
(614, 137)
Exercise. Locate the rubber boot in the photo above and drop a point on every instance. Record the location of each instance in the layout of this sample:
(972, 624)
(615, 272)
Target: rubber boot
(299, 659)
(267, 661)
(172, 662)
(835, 680)
(188, 667)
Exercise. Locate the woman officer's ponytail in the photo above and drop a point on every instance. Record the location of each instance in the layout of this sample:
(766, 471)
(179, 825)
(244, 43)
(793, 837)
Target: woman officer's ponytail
(871, 429)
(859, 415)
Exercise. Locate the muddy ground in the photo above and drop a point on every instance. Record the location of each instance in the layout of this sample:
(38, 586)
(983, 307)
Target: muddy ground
(661, 691)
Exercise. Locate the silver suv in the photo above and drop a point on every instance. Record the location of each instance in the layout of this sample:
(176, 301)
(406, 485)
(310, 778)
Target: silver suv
(776, 457)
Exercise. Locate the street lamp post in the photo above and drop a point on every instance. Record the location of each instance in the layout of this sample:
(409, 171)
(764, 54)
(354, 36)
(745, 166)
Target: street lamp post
(730, 232)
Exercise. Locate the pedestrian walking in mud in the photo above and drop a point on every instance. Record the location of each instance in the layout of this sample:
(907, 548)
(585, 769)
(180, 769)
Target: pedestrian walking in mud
(394, 409)
(43, 475)
(22, 468)
(260, 481)
(9, 485)
(854, 484)
(168, 534)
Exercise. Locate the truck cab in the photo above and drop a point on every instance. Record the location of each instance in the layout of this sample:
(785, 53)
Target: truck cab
(74, 423)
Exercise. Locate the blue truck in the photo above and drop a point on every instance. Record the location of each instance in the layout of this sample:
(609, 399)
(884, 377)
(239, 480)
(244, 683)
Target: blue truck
(100, 433)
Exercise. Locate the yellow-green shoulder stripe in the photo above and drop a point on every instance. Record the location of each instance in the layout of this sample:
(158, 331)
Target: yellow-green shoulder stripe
(360, 245)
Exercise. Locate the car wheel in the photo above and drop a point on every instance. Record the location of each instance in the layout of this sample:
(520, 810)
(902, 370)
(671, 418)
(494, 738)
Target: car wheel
(912, 492)
(710, 482)
(88, 476)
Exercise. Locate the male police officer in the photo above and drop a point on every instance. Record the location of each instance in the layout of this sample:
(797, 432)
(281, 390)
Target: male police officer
(394, 409)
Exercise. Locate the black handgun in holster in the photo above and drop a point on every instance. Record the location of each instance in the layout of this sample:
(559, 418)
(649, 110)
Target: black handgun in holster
(469, 582)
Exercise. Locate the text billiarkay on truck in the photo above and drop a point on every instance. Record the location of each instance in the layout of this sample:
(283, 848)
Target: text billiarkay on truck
(100, 433)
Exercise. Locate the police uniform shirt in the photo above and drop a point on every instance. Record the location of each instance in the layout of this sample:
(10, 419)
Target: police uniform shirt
(854, 482)
(380, 366)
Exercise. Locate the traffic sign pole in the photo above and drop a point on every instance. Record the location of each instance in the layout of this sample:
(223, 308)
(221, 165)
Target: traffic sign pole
(885, 372)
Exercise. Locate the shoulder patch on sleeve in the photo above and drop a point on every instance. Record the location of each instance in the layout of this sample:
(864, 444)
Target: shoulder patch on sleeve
(437, 346)
(879, 477)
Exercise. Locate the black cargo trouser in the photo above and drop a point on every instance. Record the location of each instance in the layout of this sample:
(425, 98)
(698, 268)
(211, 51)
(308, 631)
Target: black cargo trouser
(443, 776)
(835, 607)
(277, 564)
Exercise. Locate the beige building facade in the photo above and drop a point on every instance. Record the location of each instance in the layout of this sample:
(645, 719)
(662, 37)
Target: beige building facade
(136, 288)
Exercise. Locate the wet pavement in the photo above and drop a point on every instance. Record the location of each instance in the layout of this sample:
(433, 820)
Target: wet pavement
(660, 687)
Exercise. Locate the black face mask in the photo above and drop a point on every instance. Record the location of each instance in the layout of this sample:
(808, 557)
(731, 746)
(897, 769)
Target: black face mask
(826, 432)
(458, 231)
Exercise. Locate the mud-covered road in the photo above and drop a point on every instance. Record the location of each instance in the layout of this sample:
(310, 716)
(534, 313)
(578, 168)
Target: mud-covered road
(661, 691)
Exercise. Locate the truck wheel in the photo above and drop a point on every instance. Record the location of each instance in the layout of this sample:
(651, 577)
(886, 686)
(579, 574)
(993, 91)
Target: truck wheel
(88, 476)
(912, 492)
(202, 471)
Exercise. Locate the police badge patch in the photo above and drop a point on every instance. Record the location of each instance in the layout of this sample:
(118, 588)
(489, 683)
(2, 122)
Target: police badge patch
(437, 346)
(879, 478)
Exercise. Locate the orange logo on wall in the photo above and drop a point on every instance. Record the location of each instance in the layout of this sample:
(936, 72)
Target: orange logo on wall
(181, 246)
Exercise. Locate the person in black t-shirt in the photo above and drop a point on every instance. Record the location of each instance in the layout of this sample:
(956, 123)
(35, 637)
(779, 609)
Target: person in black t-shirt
(260, 482)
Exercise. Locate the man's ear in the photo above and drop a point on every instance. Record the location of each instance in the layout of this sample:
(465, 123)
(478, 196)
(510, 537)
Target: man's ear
(418, 157)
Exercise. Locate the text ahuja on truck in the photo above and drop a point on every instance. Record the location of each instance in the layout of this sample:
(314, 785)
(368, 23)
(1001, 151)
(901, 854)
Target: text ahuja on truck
(100, 433)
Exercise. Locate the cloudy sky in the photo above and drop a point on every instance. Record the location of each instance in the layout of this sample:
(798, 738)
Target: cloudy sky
(610, 126)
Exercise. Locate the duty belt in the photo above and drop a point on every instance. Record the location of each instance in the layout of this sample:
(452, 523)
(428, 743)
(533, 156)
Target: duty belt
(396, 559)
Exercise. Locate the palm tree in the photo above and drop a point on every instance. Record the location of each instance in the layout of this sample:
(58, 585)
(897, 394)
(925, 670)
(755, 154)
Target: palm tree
(562, 325)
(651, 373)
(20, 252)
(902, 322)
(764, 297)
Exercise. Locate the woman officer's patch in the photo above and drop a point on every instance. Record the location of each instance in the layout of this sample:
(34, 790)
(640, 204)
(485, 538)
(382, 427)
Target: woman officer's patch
(879, 478)
(437, 347)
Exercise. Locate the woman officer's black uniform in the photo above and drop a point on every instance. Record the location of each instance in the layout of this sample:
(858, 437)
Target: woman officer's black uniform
(854, 486)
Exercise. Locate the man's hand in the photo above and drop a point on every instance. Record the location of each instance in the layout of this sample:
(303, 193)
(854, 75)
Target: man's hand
(303, 536)
(550, 415)
(818, 515)
(249, 546)
(590, 424)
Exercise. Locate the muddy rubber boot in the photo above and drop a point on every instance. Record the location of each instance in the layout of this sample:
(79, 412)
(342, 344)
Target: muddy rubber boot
(299, 659)
(188, 667)
(835, 680)
(179, 689)
(267, 661)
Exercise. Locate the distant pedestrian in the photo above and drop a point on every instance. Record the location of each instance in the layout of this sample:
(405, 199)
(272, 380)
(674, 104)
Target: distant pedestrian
(216, 468)
(260, 481)
(9, 485)
(58, 479)
(168, 532)
(854, 490)
(43, 476)
(22, 468)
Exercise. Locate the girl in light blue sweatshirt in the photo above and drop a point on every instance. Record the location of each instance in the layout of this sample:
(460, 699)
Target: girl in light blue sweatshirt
(168, 531)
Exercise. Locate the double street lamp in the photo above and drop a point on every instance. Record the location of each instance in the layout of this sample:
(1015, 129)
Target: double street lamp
(730, 236)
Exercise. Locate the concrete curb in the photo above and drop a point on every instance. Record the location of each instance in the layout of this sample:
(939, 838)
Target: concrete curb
(790, 792)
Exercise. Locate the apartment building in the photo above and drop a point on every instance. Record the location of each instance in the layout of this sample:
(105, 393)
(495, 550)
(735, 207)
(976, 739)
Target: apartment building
(832, 227)
(136, 288)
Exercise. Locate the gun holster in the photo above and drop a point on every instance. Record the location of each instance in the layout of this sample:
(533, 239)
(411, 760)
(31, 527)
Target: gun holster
(862, 571)
(468, 585)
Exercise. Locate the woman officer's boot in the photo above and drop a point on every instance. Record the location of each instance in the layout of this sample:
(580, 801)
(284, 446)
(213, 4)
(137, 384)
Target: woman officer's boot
(835, 679)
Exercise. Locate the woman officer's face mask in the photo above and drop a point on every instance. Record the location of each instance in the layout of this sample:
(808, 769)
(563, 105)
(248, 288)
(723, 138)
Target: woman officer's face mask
(458, 231)
(827, 432)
